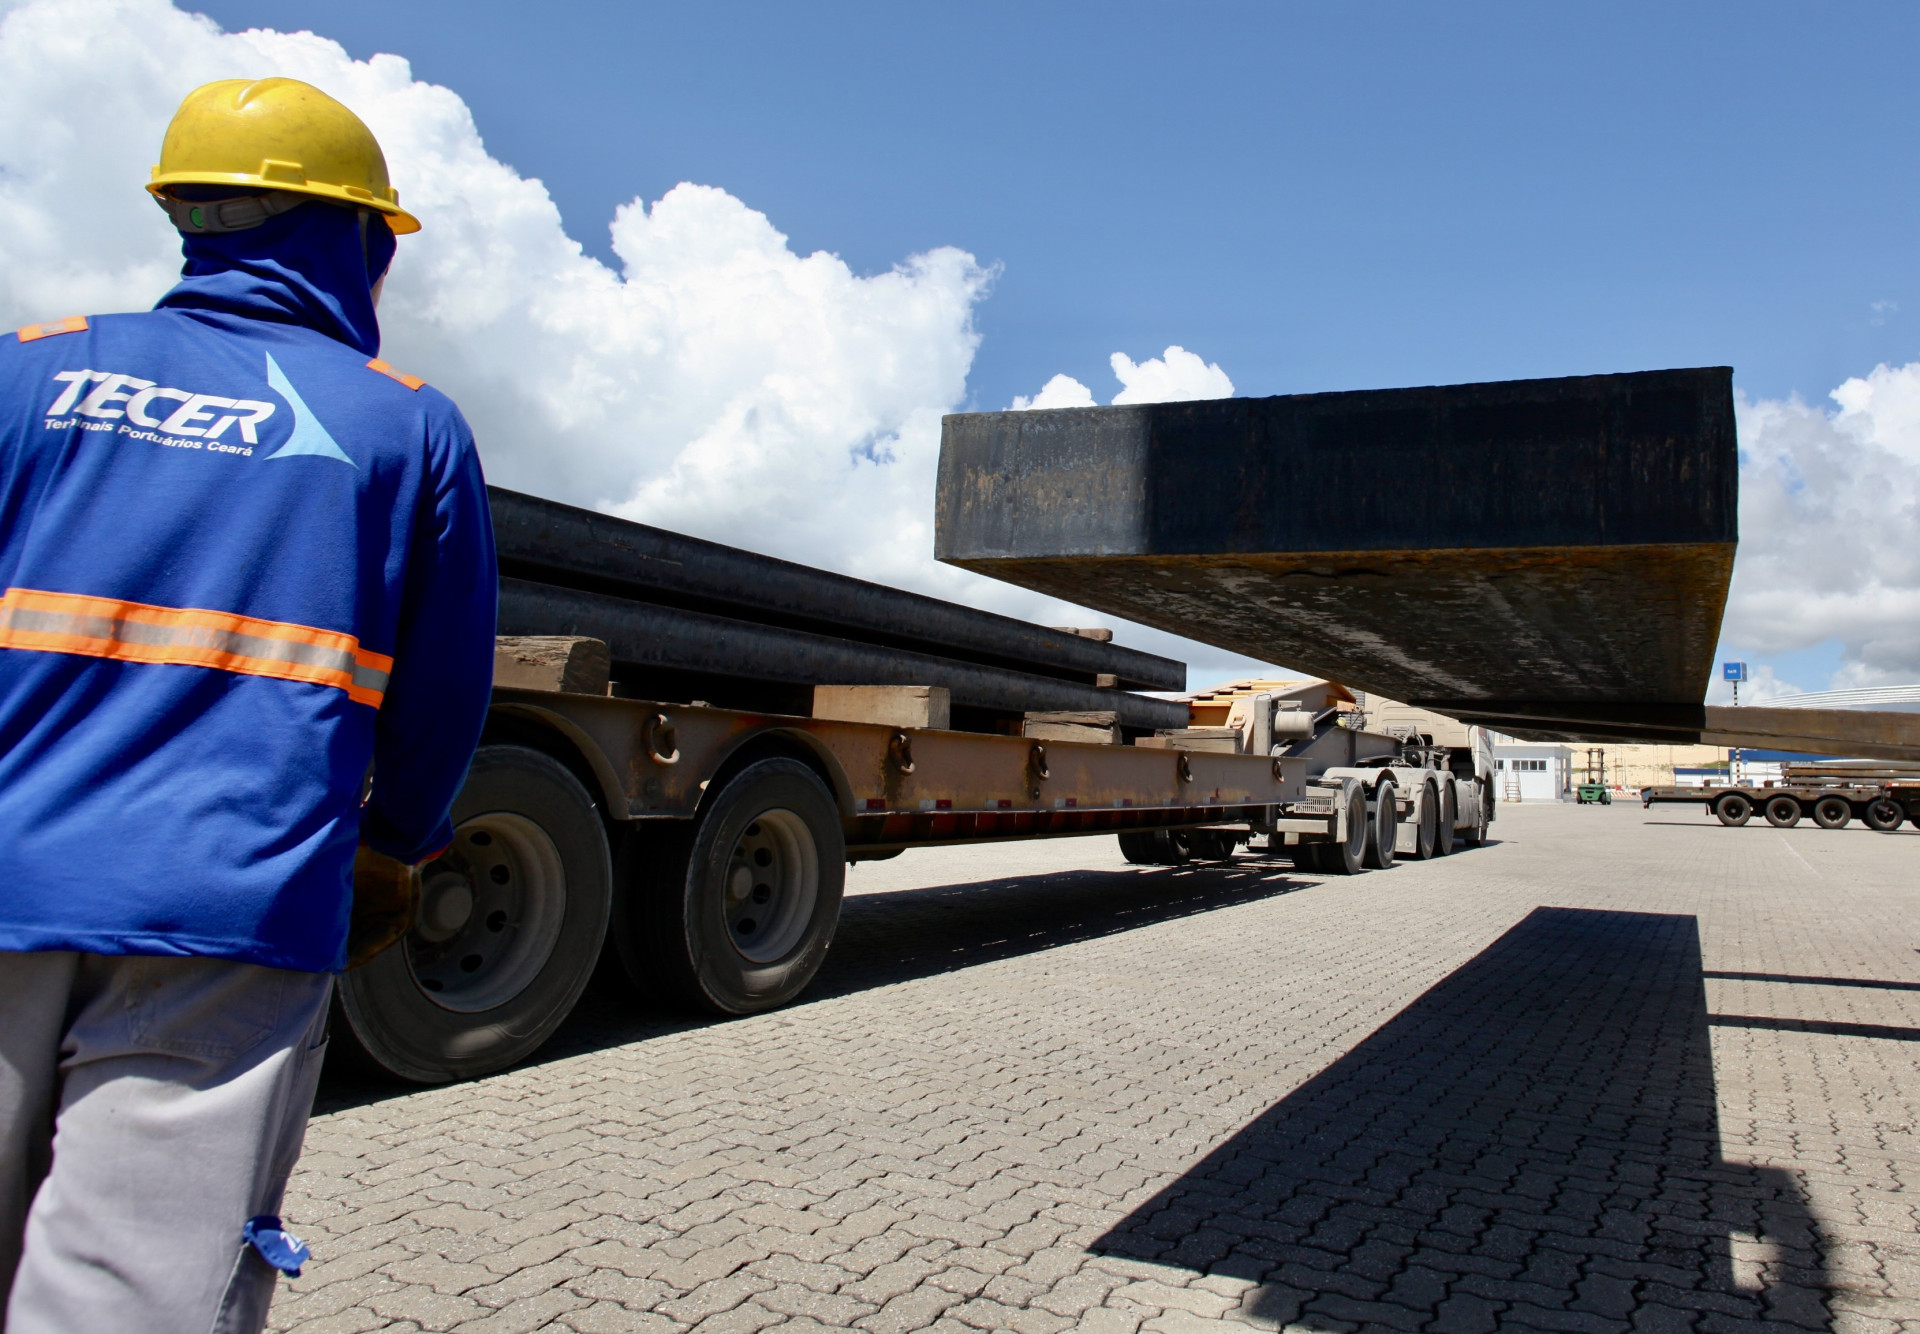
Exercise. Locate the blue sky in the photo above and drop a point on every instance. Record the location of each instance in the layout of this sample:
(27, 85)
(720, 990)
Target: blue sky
(1315, 197)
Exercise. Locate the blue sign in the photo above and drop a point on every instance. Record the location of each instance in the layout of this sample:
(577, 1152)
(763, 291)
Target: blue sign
(1733, 671)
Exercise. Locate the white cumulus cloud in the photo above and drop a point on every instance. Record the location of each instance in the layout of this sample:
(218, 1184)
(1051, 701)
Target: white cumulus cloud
(1173, 376)
(1830, 528)
(715, 382)
(1062, 391)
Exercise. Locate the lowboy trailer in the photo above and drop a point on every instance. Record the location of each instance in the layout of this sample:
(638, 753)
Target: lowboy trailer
(688, 744)
(703, 849)
(1830, 803)
(721, 733)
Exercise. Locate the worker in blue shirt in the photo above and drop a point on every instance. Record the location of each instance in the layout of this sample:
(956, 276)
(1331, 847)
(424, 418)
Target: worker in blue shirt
(246, 639)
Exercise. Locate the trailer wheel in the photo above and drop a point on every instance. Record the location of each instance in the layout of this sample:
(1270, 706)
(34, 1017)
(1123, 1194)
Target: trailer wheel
(1426, 823)
(1384, 827)
(1782, 812)
(1832, 813)
(1475, 834)
(735, 917)
(1157, 847)
(1212, 845)
(1349, 856)
(1449, 816)
(1882, 814)
(511, 921)
(1732, 809)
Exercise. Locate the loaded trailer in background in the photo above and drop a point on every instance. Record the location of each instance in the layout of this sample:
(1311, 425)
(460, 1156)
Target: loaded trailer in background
(688, 743)
(1881, 794)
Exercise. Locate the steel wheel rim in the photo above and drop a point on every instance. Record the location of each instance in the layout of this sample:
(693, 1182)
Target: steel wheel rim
(491, 910)
(770, 886)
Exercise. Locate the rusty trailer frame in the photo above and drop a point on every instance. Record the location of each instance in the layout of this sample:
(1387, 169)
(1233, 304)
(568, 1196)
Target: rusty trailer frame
(911, 787)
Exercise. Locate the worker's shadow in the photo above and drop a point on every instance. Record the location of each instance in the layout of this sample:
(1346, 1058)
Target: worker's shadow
(1533, 1144)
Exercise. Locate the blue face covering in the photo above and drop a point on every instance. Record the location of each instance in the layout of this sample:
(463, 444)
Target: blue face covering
(314, 266)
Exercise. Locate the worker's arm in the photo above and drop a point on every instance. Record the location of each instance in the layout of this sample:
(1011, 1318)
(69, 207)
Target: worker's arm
(436, 699)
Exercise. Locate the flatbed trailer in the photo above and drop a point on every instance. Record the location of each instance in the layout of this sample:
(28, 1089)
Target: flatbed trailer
(1879, 805)
(700, 852)
(685, 817)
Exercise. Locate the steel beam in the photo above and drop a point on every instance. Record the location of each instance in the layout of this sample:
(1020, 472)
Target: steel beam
(550, 543)
(1554, 541)
(669, 638)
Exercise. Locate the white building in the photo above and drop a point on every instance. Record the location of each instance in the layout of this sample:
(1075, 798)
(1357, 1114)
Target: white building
(1532, 770)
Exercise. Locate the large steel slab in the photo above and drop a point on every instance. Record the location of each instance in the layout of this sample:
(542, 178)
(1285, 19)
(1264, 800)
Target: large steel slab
(551, 543)
(1540, 547)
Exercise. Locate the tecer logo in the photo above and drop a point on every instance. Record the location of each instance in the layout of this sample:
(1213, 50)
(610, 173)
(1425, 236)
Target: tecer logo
(204, 416)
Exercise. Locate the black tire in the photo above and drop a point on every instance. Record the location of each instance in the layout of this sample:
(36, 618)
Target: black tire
(1212, 845)
(1426, 823)
(1443, 831)
(1383, 828)
(1782, 812)
(1348, 857)
(701, 929)
(1475, 835)
(1158, 847)
(511, 923)
(1832, 812)
(1883, 815)
(1732, 809)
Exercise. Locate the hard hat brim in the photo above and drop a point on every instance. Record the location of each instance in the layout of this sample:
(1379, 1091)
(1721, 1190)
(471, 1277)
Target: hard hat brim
(398, 219)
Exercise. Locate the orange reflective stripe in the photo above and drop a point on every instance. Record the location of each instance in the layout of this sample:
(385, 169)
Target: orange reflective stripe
(410, 381)
(191, 637)
(71, 324)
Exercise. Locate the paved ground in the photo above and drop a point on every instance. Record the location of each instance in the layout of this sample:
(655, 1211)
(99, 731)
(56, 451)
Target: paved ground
(1620, 1070)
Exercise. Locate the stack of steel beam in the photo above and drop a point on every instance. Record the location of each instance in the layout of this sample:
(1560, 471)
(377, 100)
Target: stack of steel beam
(678, 608)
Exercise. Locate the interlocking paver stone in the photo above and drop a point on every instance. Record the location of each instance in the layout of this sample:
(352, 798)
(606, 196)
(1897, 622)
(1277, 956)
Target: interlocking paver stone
(1619, 1070)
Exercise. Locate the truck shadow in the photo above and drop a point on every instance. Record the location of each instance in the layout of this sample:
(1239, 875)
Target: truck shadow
(1534, 1143)
(902, 935)
(897, 936)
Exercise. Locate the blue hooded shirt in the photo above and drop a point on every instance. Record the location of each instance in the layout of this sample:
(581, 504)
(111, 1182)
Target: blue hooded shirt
(244, 564)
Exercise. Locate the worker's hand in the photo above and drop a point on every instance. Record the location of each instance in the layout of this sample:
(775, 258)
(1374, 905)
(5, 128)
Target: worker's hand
(386, 897)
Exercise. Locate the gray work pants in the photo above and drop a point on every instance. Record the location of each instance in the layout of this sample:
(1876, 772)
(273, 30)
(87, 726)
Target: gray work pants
(148, 1108)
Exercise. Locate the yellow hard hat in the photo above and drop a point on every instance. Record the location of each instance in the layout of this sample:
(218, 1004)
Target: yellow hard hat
(277, 134)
